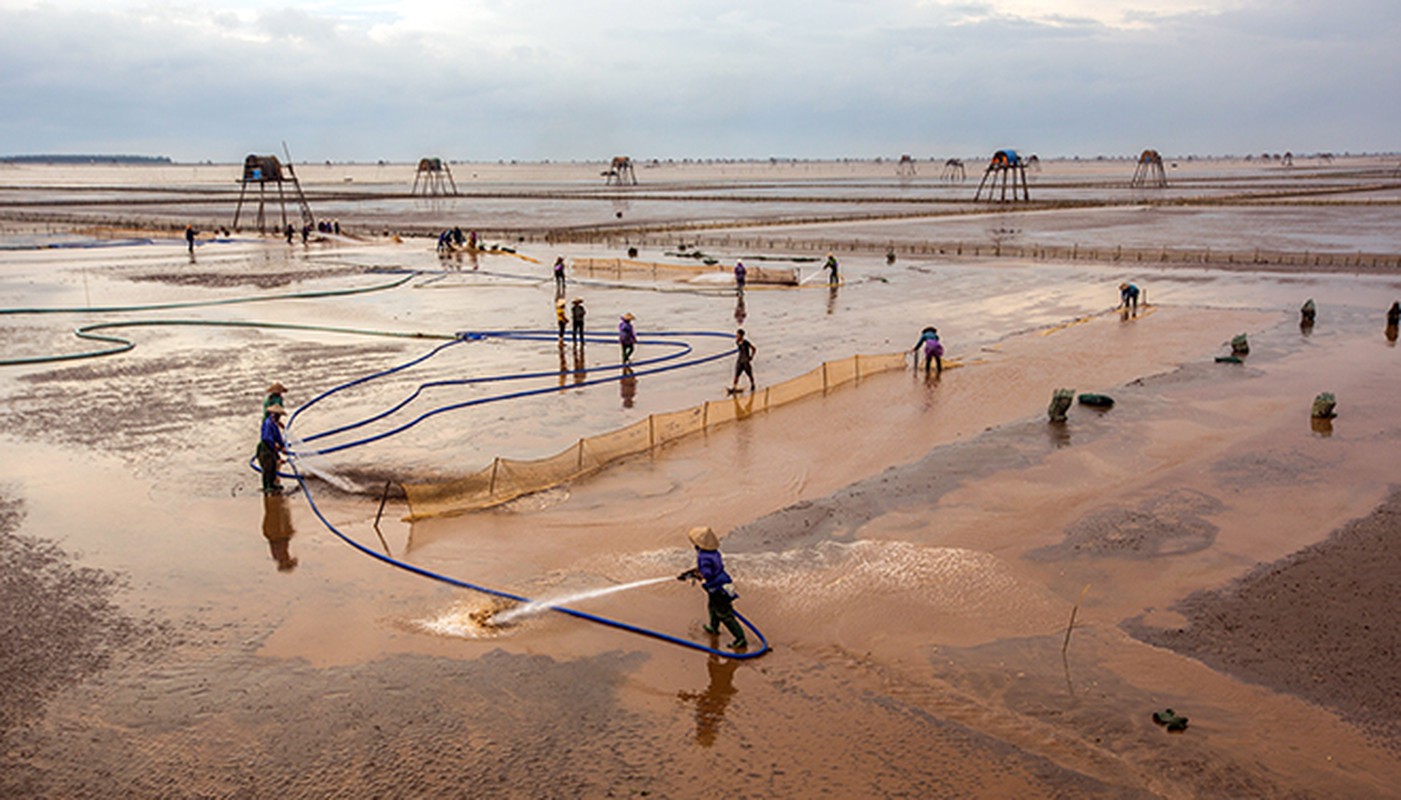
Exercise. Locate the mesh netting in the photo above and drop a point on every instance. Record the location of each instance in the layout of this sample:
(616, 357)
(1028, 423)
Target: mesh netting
(507, 479)
(618, 267)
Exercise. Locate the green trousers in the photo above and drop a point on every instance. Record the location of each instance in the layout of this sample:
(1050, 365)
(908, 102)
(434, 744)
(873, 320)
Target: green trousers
(722, 612)
(267, 462)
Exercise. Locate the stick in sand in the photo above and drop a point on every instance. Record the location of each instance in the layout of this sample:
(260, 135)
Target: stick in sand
(1071, 625)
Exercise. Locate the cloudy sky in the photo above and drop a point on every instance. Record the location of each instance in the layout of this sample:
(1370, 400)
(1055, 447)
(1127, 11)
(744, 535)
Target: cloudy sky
(561, 79)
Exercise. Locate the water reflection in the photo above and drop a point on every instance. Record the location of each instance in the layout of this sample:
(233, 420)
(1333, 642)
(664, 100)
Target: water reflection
(740, 312)
(1059, 433)
(1391, 335)
(1306, 326)
(1323, 426)
(832, 299)
(277, 529)
(563, 365)
(627, 387)
(580, 373)
(711, 704)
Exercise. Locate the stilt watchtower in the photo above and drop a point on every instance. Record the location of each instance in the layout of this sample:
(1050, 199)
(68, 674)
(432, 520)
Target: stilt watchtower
(1005, 167)
(261, 171)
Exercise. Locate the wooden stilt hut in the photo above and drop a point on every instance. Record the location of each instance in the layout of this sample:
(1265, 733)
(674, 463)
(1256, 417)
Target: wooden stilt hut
(1003, 169)
(262, 171)
(1149, 172)
(435, 176)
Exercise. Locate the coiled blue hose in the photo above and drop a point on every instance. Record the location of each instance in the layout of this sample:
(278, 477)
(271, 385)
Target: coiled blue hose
(652, 339)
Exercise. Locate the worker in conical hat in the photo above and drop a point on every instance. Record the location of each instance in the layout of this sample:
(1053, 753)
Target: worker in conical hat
(627, 336)
(719, 589)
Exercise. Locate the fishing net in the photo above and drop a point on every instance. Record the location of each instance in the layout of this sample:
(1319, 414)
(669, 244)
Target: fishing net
(506, 479)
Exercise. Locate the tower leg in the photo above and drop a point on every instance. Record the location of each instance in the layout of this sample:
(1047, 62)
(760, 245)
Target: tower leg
(239, 208)
(981, 184)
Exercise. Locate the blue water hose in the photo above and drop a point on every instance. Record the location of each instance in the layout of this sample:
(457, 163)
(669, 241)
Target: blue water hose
(652, 339)
(120, 345)
(584, 615)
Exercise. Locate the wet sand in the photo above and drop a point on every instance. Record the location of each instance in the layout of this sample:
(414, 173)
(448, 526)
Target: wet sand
(1315, 624)
(912, 547)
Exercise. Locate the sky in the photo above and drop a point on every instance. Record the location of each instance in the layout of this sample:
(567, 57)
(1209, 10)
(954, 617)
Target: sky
(487, 80)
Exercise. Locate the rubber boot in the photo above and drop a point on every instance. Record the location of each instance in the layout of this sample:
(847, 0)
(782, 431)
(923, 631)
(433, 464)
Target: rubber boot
(735, 630)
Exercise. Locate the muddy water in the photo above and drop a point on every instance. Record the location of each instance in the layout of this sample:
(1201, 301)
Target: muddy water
(917, 613)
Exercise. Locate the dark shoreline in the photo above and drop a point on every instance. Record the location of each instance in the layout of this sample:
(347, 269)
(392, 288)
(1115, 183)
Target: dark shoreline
(1319, 623)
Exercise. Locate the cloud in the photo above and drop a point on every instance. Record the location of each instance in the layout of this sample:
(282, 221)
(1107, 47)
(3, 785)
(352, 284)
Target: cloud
(487, 79)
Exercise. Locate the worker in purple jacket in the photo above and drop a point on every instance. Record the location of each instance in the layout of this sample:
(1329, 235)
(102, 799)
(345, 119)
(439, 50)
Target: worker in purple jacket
(933, 349)
(627, 336)
(720, 591)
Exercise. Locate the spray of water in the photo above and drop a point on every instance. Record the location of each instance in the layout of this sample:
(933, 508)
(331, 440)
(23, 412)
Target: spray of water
(545, 604)
(318, 466)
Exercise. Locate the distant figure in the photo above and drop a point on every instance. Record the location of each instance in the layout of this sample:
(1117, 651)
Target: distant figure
(933, 349)
(1128, 297)
(744, 361)
(561, 317)
(1393, 314)
(719, 589)
(190, 238)
(290, 231)
(458, 237)
(740, 273)
(472, 239)
(306, 233)
(271, 447)
(627, 336)
(559, 276)
(831, 267)
(577, 313)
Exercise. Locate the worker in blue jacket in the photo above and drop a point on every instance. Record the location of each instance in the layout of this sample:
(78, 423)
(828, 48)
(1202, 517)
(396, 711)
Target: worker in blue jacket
(1128, 297)
(719, 589)
(271, 447)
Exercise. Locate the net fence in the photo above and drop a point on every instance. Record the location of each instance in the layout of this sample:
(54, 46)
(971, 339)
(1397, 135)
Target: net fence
(622, 267)
(507, 479)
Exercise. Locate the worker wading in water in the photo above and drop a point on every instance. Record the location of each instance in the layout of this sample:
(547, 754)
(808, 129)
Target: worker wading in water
(720, 591)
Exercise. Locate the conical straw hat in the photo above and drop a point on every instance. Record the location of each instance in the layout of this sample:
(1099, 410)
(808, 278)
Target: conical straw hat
(704, 538)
